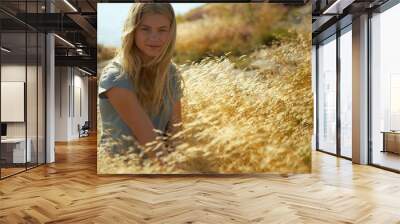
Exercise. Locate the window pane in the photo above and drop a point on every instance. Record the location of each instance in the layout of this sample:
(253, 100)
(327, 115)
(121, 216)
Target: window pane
(13, 70)
(327, 96)
(345, 94)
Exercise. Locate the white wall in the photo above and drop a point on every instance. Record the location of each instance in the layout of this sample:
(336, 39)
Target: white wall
(80, 89)
(12, 73)
(71, 93)
(61, 103)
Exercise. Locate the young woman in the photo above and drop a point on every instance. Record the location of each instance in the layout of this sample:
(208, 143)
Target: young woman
(140, 91)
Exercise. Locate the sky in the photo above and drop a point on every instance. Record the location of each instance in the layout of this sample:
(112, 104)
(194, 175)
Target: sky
(111, 16)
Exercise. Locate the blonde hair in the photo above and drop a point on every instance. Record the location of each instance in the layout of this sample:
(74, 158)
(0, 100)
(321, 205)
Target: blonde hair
(150, 79)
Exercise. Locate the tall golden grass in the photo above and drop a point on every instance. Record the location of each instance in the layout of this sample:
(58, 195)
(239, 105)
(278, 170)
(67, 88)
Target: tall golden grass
(238, 120)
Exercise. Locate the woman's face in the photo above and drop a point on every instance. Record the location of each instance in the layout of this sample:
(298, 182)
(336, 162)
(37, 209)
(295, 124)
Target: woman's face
(152, 35)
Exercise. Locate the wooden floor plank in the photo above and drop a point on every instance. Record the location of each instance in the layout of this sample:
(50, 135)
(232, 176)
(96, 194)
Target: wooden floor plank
(70, 191)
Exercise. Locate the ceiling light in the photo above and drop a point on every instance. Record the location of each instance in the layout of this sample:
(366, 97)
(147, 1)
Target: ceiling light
(338, 6)
(70, 5)
(86, 72)
(64, 40)
(5, 49)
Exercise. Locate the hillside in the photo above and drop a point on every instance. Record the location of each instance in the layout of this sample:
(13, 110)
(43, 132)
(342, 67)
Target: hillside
(240, 29)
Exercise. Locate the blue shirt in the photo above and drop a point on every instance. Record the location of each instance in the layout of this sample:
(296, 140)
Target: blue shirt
(113, 128)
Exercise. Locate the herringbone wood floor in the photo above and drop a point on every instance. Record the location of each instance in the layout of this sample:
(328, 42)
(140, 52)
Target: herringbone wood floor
(70, 191)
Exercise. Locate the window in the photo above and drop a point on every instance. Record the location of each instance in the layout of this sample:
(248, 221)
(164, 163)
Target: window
(346, 75)
(385, 88)
(327, 95)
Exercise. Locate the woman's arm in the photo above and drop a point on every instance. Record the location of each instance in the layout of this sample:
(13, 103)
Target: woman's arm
(176, 118)
(129, 109)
